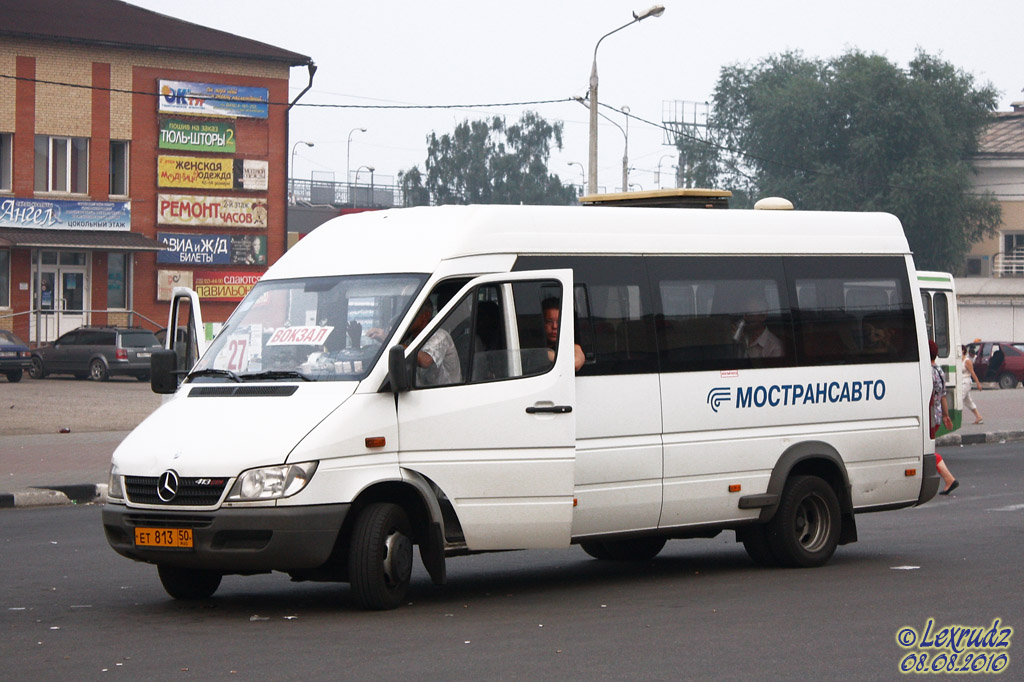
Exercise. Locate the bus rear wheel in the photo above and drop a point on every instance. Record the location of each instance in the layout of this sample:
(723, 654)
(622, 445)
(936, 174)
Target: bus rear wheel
(804, 532)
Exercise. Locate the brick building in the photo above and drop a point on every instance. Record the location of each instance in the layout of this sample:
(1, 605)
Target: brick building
(136, 151)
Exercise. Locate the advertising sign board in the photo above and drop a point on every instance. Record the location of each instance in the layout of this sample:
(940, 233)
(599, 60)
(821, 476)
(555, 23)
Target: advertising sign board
(213, 99)
(218, 285)
(212, 249)
(203, 172)
(197, 136)
(195, 211)
(61, 214)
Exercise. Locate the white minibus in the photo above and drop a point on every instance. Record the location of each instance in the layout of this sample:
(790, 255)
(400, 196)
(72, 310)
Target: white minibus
(476, 378)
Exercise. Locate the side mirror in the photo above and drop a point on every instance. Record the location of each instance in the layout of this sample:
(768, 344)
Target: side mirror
(398, 370)
(163, 371)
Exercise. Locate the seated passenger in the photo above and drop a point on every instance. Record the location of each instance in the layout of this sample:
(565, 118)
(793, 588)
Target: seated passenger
(879, 339)
(752, 331)
(437, 362)
(552, 315)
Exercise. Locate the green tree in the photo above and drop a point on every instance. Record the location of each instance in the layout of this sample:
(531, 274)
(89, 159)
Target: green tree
(490, 162)
(858, 133)
(413, 191)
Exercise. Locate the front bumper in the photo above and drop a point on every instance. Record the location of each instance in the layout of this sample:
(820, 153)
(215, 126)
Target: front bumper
(11, 364)
(233, 540)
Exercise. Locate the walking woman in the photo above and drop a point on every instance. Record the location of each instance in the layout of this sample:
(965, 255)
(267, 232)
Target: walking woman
(940, 415)
(969, 379)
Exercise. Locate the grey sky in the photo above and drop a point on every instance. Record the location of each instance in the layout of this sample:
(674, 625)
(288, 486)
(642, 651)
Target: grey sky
(472, 52)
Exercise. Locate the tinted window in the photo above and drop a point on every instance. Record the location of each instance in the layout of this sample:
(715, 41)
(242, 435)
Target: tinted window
(614, 316)
(138, 340)
(69, 339)
(96, 338)
(721, 313)
(852, 310)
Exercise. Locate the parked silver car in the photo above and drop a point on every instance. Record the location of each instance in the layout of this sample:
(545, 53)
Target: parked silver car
(98, 353)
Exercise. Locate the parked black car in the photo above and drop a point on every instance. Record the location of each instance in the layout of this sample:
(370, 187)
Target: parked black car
(98, 353)
(15, 356)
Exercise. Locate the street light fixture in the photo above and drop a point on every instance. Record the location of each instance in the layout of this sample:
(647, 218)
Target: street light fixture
(583, 172)
(371, 169)
(666, 156)
(654, 11)
(292, 174)
(348, 151)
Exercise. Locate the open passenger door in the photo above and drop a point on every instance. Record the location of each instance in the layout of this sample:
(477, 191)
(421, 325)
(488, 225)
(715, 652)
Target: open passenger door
(497, 435)
(184, 344)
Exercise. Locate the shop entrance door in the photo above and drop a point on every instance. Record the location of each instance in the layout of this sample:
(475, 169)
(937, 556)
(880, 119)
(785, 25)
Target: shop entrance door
(63, 294)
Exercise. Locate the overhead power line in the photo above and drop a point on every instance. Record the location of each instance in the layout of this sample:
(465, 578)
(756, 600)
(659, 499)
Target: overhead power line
(483, 105)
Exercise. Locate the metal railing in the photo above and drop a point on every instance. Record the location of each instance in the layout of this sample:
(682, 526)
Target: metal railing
(356, 195)
(1008, 264)
(50, 322)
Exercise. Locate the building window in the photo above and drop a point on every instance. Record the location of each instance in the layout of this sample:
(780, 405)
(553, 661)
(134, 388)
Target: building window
(62, 164)
(6, 147)
(119, 167)
(117, 280)
(5, 279)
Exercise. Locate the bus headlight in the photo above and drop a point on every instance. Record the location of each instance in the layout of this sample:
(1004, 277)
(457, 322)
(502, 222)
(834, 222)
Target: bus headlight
(270, 483)
(114, 489)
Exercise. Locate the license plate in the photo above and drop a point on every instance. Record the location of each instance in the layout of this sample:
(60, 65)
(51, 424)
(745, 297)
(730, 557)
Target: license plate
(143, 355)
(180, 538)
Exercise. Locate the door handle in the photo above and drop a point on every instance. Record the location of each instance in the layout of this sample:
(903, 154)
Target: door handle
(552, 409)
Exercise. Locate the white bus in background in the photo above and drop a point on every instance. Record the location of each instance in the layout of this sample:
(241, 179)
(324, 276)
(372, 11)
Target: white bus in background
(760, 372)
(942, 322)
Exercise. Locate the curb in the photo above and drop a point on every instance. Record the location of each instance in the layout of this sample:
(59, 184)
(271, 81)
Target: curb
(53, 496)
(980, 438)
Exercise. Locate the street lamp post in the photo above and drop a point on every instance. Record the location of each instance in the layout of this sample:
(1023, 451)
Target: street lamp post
(348, 151)
(371, 169)
(583, 172)
(654, 11)
(625, 153)
(666, 156)
(292, 174)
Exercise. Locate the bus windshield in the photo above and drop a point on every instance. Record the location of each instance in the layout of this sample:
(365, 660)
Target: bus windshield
(313, 329)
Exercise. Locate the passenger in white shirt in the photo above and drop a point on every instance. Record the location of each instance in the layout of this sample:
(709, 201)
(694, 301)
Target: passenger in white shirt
(437, 362)
(758, 341)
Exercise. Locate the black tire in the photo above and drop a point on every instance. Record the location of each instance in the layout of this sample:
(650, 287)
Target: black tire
(380, 557)
(596, 549)
(636, 549)
(188, 583)
(98, 371)
(37, 371)
(79, 376)
(14, 376)
(1007, 380)
(755, 541)
(804, 532)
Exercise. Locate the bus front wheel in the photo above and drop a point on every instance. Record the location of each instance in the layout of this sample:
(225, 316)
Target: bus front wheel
(380, 556)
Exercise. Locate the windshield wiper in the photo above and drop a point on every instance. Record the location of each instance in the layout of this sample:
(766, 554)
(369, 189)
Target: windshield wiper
(218, 372)
(274, 374)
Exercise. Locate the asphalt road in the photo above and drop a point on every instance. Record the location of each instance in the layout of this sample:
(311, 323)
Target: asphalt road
(73, 609)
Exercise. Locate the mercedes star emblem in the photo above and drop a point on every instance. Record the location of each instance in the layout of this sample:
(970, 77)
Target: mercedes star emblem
(167, 486)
